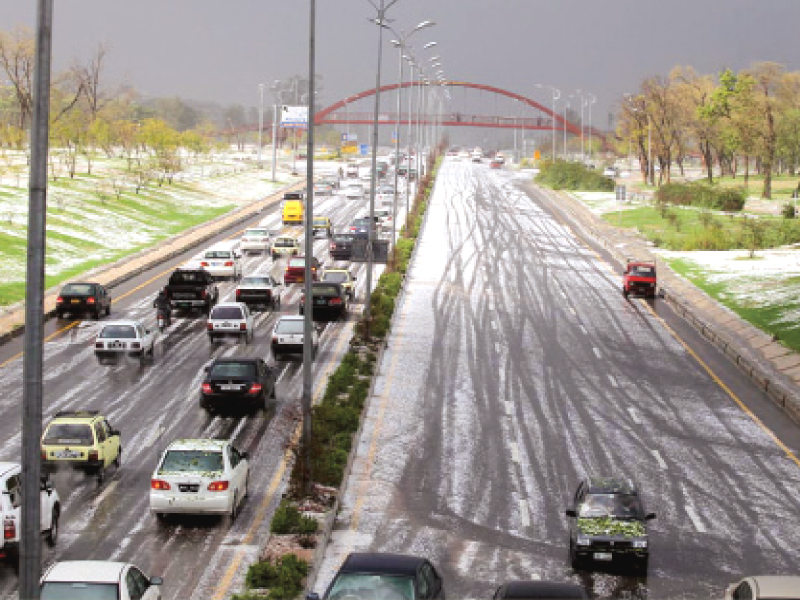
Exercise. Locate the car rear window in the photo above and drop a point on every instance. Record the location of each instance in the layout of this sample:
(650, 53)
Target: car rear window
(255, 281)
(69, 433)
(218, 254)
(127, 332)
(284, 243)
(193, 461)
(233, 369)
(297, 262)
(226, 312)
(288, 326)
(73, 590)
(335, 276)
(256, 232)
(78, 289)
(293, 196)
(325, 290)
(320, 221)
(342, 238)
(187, 277)
(643, 271)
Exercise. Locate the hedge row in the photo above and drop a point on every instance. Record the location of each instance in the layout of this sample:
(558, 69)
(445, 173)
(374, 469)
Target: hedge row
(563, 175)
(702, 195)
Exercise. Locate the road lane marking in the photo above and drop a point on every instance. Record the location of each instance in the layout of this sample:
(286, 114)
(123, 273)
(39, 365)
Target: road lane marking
(791, 455)
(597, 353)
(497, 347)
(613, 381)
(659, 459)
(524, 517)
(514, 452)
(695, 519)
(583, 330)
(634, 416)
(509, 407)
(47, 339)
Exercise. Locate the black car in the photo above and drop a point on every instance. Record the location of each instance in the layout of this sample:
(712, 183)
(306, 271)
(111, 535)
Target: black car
(361, 226)
(81, 298)
(385, 576)
(539, 590)
(328, 300)
(608, 524)
(236, 384)
(341, 246)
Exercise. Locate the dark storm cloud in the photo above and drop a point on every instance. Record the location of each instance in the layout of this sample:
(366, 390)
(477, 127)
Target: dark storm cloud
(220, 50)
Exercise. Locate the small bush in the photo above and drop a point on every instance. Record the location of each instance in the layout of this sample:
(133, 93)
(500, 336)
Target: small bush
(701, 195)
(788, 211)
(563, 175)
(286, 520)
(284, 579)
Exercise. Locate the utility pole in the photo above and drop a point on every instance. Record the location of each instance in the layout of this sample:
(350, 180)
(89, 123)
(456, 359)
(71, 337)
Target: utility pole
(32, 379)
(260, 121)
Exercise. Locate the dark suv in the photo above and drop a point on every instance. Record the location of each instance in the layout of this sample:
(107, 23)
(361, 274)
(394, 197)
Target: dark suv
(328, 301)
(80, 298)
(235, 384)
(608, 524)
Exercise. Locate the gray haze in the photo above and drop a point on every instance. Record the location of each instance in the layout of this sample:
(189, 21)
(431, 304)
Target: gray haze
(220, 50)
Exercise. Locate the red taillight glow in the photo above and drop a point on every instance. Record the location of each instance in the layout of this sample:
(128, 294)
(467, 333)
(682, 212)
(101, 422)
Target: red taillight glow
(98, 345)
(135, 345)
(255, 388)
(203, 263)
(209, 325)
(158, 484)
(9, 529)
(90, 300)
(44, 454)
(59, 300)
(203, 294)
(333, 246)
(238, 293)
(217, 486)
(207, 389)
(228, 263)
(335, 301)
(242, 326)
(94, 455)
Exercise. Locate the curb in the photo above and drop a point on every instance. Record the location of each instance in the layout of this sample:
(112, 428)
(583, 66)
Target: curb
(779, 388)
(184, 241)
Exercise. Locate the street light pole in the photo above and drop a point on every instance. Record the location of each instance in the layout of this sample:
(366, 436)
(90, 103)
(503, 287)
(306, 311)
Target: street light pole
(592, 100)
(556, 94)
(566, 106)
(260, 120)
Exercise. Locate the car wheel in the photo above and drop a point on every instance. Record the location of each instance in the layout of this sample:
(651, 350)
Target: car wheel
(52, 533)
(625, 293)
(246, 338)
(108, 309)
(246, 481)
(300, 311)
(161, 516)
(59, 315)
(96, 313)
(210, 338)
(234, 508)
(641, 565)
(118, 460)
(101, 476)
(277, 356)
(574, 560)
(273, 394)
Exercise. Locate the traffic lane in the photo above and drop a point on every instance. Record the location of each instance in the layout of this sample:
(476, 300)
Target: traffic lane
(582, 405)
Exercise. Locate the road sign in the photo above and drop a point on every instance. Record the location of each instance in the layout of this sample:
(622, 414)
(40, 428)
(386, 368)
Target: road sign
(349, 148)
(537, 155)
(294, 117)
(349, 137)
(363, 149)
(620, 193)
(380, 250)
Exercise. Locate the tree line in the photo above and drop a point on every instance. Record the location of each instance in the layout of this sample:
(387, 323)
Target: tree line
(737, 122)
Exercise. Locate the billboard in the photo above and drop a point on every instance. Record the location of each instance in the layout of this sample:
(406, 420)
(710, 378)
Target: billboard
(294, 117)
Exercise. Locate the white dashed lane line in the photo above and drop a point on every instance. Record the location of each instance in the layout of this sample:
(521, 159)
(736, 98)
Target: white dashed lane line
(657, 455)
(597, 352)
(514, 452)
(634, 416)
(613, 381)
(524, 516)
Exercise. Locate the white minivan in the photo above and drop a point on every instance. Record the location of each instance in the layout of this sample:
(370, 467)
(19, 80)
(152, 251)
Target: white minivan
(222, 260)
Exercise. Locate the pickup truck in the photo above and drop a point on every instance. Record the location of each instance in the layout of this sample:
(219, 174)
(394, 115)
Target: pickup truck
(11, 509)
(259, 290)
(192, 289)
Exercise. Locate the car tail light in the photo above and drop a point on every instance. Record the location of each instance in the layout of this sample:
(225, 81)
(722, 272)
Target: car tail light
(90, 300)
(228, 263)
(333, 246)
(243, 326)
(59, 300)
(209, 325)
(238, 292)
(9, 529)
(94, 455)
(44, 454)
(335, 301)
(207, 389)
(217, 486)
(135, 345)
(255, 388)
(98, 345)
(204, 263)
(159, 484)
(264, 239)
(203, 294)
(302, 299)
(275, 339)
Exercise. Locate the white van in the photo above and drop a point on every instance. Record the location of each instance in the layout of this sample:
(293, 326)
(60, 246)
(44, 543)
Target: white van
(222, 260)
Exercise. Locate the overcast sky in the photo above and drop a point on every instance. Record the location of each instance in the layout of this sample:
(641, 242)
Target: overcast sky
(221, 50)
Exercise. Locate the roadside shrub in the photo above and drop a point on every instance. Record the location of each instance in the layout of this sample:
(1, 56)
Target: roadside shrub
(286, 520)
(788, 211)
(284, 579)
(563, 175)
(701, 195)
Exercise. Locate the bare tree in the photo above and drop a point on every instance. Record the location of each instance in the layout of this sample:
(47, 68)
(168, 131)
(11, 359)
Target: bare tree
(16, 59)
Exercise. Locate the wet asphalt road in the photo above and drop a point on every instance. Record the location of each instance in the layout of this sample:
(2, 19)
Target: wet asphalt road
(156, 403)
(538, 372)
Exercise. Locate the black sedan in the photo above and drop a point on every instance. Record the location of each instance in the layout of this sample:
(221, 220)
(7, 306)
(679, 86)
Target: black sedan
(385, 576)
(328, 301)
(608, 524)
(237, 384)
(81, 298)
(539, 590)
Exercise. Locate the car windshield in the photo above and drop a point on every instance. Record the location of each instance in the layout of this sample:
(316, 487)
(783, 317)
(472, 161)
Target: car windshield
(325, 290)
(335, 276)
(256, 232)
(253, 280)
(342, 238)
(361, 585)
(191, 461)
(187, 277)
(321, 221)
(78, 289)
(284, 243)
(127, 332)
(639, 271)
(70, 590)
(226, 312)
(289, 326)
(69, 433)
(361, 222)
(232, 369)
(621, 506)
(297, 262)
(218, 254)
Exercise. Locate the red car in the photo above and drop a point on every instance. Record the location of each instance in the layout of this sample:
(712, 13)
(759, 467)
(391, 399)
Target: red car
(495, 164)
(296, 270)
(639, 277)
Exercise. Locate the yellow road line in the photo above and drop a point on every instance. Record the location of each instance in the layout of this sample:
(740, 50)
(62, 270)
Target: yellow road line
(791, 455)
(47, 339)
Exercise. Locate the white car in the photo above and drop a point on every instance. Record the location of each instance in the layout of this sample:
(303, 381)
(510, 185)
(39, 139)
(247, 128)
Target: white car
(353, 191)
(97, 579)
(287, 337)
(11, 509)
(384, 219)
(124, 338)
(255, 240)
(222, 260)
(199, 476)
(230, 319)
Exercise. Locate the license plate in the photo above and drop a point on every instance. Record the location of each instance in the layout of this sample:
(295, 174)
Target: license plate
(184, 304)
(602, 555)
(229, 387)
(214, 264)
(321, 301)
(76, 301)
(226, 325)
(116, 345)
(67, 454)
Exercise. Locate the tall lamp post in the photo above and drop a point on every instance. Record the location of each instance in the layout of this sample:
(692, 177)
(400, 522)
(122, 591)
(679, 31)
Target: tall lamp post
(275, 108)
(566, 106)
(556, 95)
(260, 120)
(592, 100)
(583, 103)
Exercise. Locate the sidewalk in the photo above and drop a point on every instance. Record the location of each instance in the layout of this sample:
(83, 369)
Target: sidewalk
(770, 365)
(13, 319)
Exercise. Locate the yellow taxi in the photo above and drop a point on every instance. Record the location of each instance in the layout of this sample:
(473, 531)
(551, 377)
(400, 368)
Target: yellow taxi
(83, 440)
(322, 224)
(344, 277)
